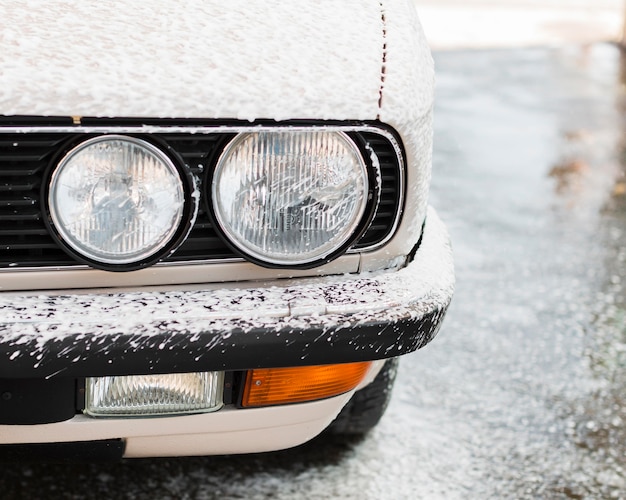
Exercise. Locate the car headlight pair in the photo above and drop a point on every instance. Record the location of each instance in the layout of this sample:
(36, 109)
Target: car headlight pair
(283, 198)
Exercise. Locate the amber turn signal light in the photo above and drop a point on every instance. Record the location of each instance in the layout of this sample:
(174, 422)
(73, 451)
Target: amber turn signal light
(276, 386)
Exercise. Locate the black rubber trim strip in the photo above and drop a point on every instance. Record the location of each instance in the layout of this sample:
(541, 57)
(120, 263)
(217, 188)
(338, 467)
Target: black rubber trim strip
(98, 354)
(37, 401)
(110, 450)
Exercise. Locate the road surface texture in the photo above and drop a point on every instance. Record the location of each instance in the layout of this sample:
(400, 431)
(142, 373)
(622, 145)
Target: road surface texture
(522, 393)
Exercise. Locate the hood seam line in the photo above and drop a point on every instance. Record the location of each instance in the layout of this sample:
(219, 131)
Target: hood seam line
(383, 68)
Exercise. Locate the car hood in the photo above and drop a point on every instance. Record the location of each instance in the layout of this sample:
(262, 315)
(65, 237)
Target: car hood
(252, 59)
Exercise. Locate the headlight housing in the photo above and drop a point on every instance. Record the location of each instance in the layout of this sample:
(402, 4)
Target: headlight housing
(291, 198)
(118, 202)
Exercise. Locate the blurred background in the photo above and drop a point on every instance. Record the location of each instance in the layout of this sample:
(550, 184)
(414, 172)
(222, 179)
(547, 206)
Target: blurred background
(463, 24)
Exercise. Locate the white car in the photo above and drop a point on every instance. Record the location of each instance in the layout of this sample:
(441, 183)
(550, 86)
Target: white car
(214, 228)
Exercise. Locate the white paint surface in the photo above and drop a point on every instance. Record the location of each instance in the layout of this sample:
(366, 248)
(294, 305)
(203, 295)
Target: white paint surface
(198, 58)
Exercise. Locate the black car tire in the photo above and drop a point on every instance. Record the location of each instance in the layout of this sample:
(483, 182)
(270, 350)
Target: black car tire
(367, 406)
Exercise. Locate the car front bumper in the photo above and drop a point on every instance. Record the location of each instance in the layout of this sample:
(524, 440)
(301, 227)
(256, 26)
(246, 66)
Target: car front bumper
(228, 431)
(323, 320)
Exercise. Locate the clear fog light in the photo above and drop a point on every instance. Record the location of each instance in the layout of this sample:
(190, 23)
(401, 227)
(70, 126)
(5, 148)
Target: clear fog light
(290, 198)
(116, 199)
(145, 395)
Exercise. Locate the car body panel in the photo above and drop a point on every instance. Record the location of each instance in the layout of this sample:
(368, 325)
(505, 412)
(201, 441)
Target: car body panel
(198, 59)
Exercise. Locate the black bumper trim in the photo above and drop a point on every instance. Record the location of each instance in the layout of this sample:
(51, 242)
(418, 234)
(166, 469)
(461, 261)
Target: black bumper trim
(37, 401)
(110, 450)
(125, 354)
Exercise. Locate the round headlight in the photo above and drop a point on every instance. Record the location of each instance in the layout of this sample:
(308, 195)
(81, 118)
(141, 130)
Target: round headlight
(116, 200)
(290, 198)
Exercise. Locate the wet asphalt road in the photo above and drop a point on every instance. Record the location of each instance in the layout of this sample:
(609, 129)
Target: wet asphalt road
(522, 394)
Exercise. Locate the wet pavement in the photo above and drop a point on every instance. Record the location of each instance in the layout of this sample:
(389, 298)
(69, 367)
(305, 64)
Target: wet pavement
(522, 394)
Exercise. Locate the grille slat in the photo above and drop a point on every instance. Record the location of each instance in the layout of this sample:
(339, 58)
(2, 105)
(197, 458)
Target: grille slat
(25, 157)
(28, 215)
(25, 170)
(13, 158)
(17, 201)
(23, 231)
(43, 244)
(18, 185)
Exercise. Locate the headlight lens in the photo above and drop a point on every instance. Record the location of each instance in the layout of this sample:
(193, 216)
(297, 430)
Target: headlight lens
(290, 198)
(116, 199)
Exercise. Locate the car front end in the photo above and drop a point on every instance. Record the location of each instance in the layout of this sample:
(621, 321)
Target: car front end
(215, 229)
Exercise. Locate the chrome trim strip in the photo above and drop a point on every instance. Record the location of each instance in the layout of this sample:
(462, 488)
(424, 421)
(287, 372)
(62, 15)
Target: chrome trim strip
(181, 129)
(220, 129)
(82, 267)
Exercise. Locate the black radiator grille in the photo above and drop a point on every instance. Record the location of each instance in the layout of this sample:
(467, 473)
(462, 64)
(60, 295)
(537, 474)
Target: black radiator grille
(389, 204)
(24, 157)
(197, 152)
(24, 240)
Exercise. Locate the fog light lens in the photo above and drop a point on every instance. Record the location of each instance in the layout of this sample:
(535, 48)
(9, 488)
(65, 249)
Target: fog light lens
(145, 395)
(274, 386)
